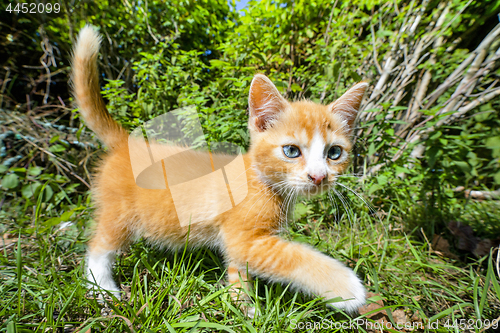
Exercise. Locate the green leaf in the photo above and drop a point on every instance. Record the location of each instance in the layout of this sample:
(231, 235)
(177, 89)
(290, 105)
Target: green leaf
(496, 177)
(3, 168)
(435, 136)
(10, 181)
(281, 86)
(66, 216)
(57, 148)
(261, 58)
(402, 170)
(218, 63)
(34, 171)
(371, 149)
(302, 210)
(355, 76)
(374, 188)
(52, 222)
(48, 192)
(382, 180)
(29, 190)
(432, 155)
(493, 142)
(54, 139)
(296, 87)
(464, 166)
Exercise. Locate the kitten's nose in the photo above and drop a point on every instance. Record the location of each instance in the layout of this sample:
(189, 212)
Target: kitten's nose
(316, 179)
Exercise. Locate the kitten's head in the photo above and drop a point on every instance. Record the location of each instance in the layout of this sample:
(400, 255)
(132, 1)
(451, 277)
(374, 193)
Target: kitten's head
(300, 146)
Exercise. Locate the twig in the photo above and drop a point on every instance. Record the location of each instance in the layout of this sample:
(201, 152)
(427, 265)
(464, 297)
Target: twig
(463, 110)
(28, 106)
(4, 84)
(456, 73)
(147, 23)
(482, 195)
(49, 56)
(327, 36)
(426, 79)
(375, 55)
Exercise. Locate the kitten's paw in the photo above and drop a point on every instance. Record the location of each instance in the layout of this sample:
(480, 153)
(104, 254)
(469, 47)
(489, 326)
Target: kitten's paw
(103, 293)
(352, 292)
(244, 302)
(249, 311)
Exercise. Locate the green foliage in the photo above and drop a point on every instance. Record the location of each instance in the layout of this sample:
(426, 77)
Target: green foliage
(162, 55)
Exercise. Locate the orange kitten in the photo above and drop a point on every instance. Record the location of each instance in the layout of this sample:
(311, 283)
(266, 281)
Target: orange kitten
(297, 148)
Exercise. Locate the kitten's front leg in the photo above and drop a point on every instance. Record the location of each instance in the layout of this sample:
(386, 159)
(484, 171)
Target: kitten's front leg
(305, 268)
(240, 284)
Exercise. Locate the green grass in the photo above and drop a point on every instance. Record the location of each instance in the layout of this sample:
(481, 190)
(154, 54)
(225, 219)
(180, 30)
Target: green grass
(43, 289)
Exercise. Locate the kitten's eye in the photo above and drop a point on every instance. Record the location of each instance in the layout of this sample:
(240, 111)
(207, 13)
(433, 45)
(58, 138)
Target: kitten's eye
(334, 153)
(291, 151)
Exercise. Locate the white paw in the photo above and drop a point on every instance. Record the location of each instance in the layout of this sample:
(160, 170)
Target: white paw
(353, 295)
(250, 312)
(103, 292)
(100, 274)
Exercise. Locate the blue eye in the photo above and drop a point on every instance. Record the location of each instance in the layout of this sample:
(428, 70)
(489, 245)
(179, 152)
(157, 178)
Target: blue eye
(334, 152)
(291, 151)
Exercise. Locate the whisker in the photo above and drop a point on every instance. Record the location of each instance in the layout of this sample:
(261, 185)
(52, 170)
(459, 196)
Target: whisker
(345, 204)
(370, 206)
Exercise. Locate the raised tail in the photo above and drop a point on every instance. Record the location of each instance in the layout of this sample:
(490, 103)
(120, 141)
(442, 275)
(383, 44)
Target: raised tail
(85, 78)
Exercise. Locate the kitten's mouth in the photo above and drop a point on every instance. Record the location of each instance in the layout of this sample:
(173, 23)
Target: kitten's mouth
(311, 190)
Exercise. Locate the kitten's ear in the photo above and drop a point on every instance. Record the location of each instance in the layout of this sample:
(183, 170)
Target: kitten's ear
(265, 103)
(347, 105)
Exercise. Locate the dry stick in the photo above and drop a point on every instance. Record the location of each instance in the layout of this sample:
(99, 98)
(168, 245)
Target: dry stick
(375, 54)
(406, 113)
(70, 165)
(292, 51)
(28, 106)
(426, 79)
(404, 77)
(448, 83)
(149, 27)
(327, 36)
(4, 84)
(327, 40)
(388, 67)
(451, 22)
(463, 110)
(407, 76)
(415, 24)
(460, 112)
(470, 83)
(418, 150)
(476, 64)
(482, 195)
(49, 56)
(460, 69)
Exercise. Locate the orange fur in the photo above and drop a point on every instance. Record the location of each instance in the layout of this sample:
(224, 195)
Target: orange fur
(247, 235)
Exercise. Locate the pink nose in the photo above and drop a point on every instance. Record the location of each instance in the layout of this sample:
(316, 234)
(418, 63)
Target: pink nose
(316, 179)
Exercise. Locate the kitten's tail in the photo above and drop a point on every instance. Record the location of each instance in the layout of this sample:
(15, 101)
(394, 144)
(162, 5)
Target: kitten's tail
(85, 82)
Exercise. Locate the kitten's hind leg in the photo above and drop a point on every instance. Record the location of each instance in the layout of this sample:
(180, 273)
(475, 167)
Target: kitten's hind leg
(101, 257)
(301, 266)
(240, 284)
